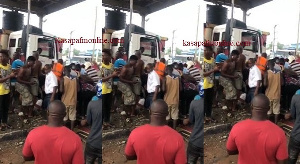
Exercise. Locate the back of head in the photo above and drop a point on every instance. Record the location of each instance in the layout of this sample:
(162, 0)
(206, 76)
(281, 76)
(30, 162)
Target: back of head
(240, 49)
(220, 49)
(57, 111)
(260, 104)
(264, 55)
(159, 108)
(133, 57)
(169, 69)
(235, 52)
(31, 58)
(60, 61)
(163, 60)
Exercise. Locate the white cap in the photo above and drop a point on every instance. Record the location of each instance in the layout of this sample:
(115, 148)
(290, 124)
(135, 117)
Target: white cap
(291, 58)
(189, 64)
(243, 96)
(142, 101)
(39, 102)
(87, 64)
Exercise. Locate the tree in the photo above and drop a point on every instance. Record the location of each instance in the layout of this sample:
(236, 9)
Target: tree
(66, 52)
(178, 51)
(280, 46)
(76, 52)
(168, 51)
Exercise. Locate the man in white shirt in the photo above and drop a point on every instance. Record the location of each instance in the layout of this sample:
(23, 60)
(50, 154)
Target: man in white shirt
(254, 80)
(153, 84)
(51, 85)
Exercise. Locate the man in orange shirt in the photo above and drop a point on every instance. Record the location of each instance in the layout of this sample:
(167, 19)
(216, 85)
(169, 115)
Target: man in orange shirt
(58, 69)
(160, 68)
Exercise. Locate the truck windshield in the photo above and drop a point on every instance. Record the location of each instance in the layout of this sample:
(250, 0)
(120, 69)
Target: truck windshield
(44, 45)
(149, 45)
(249, 37)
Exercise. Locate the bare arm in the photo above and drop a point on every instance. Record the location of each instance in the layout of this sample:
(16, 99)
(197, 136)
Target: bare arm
(61, 85)
(163, 86)
(235, 152)
(265, 79)
(28, 158)
(282, 161)
(53, 94)
(155, 93)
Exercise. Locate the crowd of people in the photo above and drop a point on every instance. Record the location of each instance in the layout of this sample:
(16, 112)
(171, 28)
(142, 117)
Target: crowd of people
(58, 93)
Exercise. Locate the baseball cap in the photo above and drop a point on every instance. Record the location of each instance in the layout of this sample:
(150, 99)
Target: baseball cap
(87, 64)
(189, 64)
(291, 58)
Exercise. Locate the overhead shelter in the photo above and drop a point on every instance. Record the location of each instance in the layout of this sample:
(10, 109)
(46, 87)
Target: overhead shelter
(244, 5)
(143, 7)
(39, 7)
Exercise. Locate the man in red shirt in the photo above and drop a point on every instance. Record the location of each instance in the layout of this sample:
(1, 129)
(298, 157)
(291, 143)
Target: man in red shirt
(53, 143)
(156, 142)
(258, 140)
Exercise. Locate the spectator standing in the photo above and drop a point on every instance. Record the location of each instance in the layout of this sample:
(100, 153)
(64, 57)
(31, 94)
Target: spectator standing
(273, 81)
(153, 84)
(5, 75)
(51, 86)
(69, 87)
(107, 75)
(257, 140)
(156, 142)
(254, 80)
(93, 148)
(171, 86)
(63, 145)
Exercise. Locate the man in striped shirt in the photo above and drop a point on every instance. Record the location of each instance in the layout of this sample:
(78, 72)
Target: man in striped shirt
(194, 71)
(295, 66)
(91, 72)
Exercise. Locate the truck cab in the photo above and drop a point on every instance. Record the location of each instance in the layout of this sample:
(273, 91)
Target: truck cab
(253, 40)
(51, 46)
(152, 43)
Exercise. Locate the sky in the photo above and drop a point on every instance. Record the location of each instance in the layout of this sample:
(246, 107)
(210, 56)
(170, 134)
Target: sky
(181, 17)
(79, 18)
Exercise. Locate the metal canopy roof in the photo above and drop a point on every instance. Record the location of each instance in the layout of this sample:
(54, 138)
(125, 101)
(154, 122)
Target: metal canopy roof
(39, 7)
(243, 4)
(143, 7)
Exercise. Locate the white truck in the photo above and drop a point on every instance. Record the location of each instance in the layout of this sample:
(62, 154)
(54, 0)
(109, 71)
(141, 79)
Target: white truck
(51, 45)
(151, 42)
(254, 39)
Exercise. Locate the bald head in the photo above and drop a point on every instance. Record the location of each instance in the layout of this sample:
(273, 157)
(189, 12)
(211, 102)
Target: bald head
(57, 107)
(159, 108)
(261, 103)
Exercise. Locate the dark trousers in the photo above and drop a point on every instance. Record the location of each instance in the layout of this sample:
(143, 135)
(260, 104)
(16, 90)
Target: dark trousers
(208, 101)
(288, 92)
(46, 101)
(91, 154)
(106, 106)
(4, 106)
(250, 94)
(294, 150)
(194, 153)
(188, 97)
(85, 98)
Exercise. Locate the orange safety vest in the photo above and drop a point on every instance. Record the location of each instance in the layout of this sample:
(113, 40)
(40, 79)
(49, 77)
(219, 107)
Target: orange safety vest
(261, 63)
(58, 70)
(160, 69)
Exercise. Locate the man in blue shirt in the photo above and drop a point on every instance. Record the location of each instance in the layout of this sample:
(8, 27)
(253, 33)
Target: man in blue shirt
(117, 95)
(15, 66)
(220, 59)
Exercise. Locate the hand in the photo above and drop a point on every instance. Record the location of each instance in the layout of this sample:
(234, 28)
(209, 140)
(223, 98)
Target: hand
(134, 82)
(236, 77)
(185, 121)
(51, 99)
(12, 75)
(287, 116)
(115, 73)
(216, 69)
(32, 83)
(153, 99)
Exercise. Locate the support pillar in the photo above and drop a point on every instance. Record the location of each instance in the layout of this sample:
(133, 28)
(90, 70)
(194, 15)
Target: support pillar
(41, 21)
(143, 21)
(244, 15)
